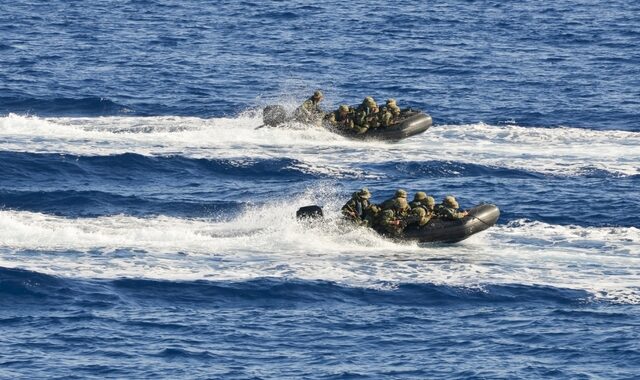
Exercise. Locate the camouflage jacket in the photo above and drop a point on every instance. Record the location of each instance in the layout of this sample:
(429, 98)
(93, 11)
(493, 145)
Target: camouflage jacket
(388, 116)
(309, 111)
(390, 223)
(366, 117)
(372, 218)
(448, 213)
(337, 120)
(420, 215)
(355, 208)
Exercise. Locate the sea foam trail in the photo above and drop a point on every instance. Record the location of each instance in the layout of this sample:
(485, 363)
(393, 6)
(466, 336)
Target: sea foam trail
(562, 151)
(266, 241)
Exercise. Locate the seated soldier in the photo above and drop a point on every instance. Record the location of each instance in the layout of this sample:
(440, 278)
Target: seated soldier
(366, 115)
(418, 217)
(310, 110)
(387, 204)
(449, 209)
(356, 207)
(389, 113)
(342, 118)
(422, 208)
(390, 224)
(394, 220)
(372, 216)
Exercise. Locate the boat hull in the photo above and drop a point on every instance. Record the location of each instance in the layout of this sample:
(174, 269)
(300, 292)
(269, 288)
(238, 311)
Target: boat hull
(411, 124)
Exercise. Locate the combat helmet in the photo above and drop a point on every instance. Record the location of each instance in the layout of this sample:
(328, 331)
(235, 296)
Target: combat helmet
(430, 202)
(401, 204)
(343, 108)
(318, 94)
(391, 102)
(450, 201)
(400, 193)
(370, 102)
(420, 196)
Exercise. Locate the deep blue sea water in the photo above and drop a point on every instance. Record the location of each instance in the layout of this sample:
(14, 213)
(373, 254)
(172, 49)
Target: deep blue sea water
(147, 228)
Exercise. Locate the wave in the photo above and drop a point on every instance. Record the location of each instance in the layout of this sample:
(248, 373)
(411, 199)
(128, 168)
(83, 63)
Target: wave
(545, 151)
(90, 106)
(267, 242)
(273, 292)
(97, 203)
(136, 168)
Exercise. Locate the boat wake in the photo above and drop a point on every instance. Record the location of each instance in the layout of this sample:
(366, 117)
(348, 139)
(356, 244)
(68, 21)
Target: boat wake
(549, 151)
(267, 242)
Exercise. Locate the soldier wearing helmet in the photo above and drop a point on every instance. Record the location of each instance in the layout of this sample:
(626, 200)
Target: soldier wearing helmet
(356, 207)
(389, 113)
(449, 209)
(342, 118)
(401, 207)
(395, 219)
(366, 115)
(393, 107)
(390, 224)
(421, 199)
(422, 208)
(310, 111)
(372, 216)
(389, 203)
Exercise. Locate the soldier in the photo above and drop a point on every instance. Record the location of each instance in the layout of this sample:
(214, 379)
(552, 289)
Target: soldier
(389, 113)
(422, 208)
(310, 110)
(394, 220)
(372, 216)
(421, 199)
(393, 107)
(342, 118)
(401, 207)
(356, 207)
(400, 193)
(366, 115)
(449, 209)
(390, 224)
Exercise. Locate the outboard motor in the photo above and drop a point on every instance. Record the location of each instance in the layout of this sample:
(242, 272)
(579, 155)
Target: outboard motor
(274, 115)
(309, 212)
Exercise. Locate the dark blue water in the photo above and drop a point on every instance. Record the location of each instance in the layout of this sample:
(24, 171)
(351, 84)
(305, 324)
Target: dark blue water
(147, 229)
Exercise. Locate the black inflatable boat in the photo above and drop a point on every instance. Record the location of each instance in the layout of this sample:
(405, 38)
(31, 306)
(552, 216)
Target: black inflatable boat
(410, 123)
(479, 219)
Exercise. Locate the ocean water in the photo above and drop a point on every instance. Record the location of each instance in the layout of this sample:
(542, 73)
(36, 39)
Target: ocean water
(147, 229)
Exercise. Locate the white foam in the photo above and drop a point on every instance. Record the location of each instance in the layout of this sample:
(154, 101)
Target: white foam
(268, 242)
(565, 151)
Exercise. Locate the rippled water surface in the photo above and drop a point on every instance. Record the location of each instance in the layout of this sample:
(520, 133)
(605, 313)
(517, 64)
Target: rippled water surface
(147, 227)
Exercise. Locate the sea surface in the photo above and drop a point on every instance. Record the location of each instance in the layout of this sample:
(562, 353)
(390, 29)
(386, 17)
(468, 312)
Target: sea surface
(147, 228)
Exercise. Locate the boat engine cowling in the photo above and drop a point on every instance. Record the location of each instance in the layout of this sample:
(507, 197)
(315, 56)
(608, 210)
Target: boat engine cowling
(274, 115)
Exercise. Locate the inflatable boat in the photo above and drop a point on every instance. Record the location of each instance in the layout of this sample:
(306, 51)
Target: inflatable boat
(478, 219)
(409, 123)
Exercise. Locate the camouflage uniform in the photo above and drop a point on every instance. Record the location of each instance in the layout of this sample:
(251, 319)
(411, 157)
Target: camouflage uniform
(391, 201)
(401, 207)
(372, 216)
(389, 113)
(366, 115)
(390, 223)
(342, 118)
(356, 207)
(310, 110)
(395, 219)
(422, 208)
(449, 209)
